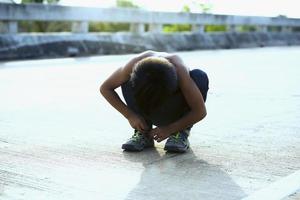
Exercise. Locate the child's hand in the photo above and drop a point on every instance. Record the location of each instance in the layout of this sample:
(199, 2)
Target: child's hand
(138, 123)
(160, 133)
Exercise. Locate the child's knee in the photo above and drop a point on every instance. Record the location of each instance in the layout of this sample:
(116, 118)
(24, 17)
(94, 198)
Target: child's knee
(201, 80)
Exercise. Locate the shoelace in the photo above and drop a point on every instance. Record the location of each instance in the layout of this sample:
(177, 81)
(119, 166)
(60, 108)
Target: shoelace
(137, 136)
(175, 137)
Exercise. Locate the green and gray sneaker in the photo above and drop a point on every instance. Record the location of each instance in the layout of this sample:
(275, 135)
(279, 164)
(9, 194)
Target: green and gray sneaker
(138, 142)
(178, 142)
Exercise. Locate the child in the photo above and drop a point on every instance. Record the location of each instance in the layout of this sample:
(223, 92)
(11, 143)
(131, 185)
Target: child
(159, 90)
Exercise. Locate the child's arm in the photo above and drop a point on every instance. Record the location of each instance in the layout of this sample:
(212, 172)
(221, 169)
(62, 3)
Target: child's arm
(193, 98)
(115, 80)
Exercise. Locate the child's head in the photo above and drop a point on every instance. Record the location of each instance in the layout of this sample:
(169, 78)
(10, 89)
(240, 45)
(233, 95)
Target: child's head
(153, 79)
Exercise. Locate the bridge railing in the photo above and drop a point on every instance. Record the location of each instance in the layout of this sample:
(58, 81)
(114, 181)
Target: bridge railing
(11, 14)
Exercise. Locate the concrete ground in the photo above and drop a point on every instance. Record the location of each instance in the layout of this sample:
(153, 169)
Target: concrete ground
(294, 196)
(59, 139)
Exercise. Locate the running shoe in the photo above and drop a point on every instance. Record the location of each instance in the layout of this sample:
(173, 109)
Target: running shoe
(138, 142)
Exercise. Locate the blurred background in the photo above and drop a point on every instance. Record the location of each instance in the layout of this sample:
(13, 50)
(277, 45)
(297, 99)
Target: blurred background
(287, 8)
(62, 28)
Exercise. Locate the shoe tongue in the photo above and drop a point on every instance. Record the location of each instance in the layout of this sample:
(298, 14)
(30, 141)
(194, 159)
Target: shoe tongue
(177, 135)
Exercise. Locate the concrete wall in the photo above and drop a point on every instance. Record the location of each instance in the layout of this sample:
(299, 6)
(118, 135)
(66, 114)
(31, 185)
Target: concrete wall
(28, 46)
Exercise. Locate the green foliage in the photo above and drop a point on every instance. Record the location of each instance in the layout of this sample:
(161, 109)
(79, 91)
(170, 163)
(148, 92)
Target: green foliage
(215, 28)
(125, 4)
(108, 27)
(204, 7)
(113, 27)
(247, 28)
(170, 28)
(29, 26)
(186, 9)
(39, 26)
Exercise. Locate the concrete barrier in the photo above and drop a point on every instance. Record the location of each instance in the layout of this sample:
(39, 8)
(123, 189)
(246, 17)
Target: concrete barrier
(29, 46)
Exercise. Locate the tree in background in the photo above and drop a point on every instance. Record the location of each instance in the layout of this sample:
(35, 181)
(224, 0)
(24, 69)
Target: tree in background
(170, 28)
(246, 28)
(199, 5)
(203, 6)
(125, 4)
(113, 27)
(206, 8)
(40, 26)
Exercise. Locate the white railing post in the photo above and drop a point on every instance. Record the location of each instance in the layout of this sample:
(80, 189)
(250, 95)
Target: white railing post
(10, 27)
(155, 28)
(137, 28)
(198, 28)
(80, 27)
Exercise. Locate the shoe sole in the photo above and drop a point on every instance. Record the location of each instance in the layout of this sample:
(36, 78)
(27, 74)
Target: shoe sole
(133, 148)
(176, 150)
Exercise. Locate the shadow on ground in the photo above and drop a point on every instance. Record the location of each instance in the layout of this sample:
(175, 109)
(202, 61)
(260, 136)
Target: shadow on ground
(180, 176)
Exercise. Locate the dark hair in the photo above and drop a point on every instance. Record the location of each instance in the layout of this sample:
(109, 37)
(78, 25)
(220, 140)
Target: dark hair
(153, 79)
